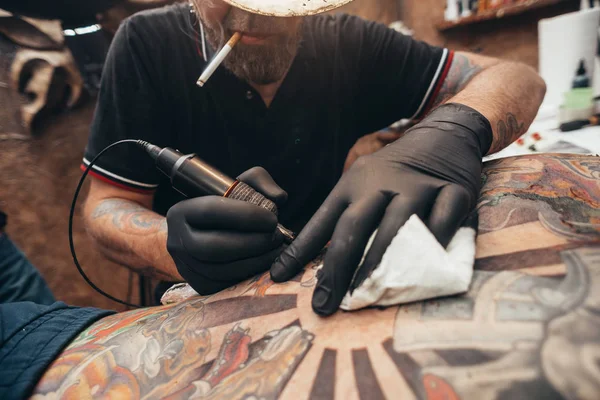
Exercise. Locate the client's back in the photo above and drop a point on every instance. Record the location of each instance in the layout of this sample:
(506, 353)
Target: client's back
(528, 327)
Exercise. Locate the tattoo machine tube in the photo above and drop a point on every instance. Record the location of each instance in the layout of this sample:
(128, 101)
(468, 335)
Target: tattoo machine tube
(580, 123)
(193, 177)
(218, 59)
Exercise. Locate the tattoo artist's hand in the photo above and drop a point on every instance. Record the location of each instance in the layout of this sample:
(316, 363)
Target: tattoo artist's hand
(217, 242)
(432, 171)
(370, 144)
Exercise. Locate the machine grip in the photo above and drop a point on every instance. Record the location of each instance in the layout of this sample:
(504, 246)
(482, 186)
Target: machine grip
(243, 192)
(574, 125)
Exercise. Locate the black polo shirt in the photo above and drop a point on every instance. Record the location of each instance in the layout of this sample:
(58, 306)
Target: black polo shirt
(350, 77)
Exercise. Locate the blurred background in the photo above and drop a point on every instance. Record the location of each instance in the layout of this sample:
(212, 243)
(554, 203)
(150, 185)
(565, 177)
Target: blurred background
(51, 56)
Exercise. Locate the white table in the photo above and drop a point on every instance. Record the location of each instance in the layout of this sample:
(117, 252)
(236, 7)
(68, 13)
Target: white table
(582, 141)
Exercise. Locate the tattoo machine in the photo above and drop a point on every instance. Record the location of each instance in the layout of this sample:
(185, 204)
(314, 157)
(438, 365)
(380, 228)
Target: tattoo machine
(580, 123)
(193, 177)
(190, 176)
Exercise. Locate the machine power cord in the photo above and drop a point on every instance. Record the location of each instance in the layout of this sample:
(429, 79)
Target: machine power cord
(140, 143)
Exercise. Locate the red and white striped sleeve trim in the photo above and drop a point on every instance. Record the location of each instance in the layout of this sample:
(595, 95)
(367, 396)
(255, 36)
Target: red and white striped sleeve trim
(117, 180)
(436, 84)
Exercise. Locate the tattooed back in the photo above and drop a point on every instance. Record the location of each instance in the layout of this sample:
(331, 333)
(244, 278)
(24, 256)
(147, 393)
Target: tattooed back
(510, 336)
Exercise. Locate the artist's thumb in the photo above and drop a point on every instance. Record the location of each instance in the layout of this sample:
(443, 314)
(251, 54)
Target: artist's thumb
(261, 181)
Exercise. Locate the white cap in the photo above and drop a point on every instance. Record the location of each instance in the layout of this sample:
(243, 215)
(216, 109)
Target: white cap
(287, 8)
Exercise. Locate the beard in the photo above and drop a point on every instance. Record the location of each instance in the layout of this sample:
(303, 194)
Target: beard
(261, 63)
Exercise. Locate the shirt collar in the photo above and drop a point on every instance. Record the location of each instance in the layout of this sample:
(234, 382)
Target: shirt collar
(307, 47)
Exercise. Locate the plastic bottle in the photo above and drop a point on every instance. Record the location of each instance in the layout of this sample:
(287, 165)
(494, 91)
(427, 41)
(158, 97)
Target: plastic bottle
(582, 80)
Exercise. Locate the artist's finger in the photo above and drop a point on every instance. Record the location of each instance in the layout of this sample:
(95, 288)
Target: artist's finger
(397, 213)
(215, 212)
(246, 268)
(310, 241)
(449, 211)
(228, 246)
(472, 220)
(216, 277)
(351, 235)
(260, 180)
(388, 136)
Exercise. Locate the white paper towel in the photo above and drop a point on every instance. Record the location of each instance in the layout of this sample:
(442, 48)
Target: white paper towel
(416, 267)
(563, 41)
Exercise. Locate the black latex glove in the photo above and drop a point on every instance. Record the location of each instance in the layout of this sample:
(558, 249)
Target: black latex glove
(432, 171)
(217, 242)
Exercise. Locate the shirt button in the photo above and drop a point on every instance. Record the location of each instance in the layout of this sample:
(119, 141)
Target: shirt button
(249, 95)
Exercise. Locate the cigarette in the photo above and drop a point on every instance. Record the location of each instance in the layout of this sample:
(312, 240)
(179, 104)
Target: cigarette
(215, 62)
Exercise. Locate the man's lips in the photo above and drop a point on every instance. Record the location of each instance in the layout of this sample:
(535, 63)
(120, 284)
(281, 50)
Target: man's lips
(252, 39)
(255, 37)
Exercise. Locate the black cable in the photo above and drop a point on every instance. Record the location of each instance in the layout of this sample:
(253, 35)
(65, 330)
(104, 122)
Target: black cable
(72, 213)
(142, 290)
(130, 286)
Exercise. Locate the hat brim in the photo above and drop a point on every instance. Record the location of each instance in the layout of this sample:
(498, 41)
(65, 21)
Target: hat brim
(287, 8)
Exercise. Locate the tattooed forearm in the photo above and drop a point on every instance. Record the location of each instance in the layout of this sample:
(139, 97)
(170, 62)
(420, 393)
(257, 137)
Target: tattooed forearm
(158, 274)
(507, 131)
(132, 235)
(507, 94)
(460, 74)
(125, 258)
(130, 217)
